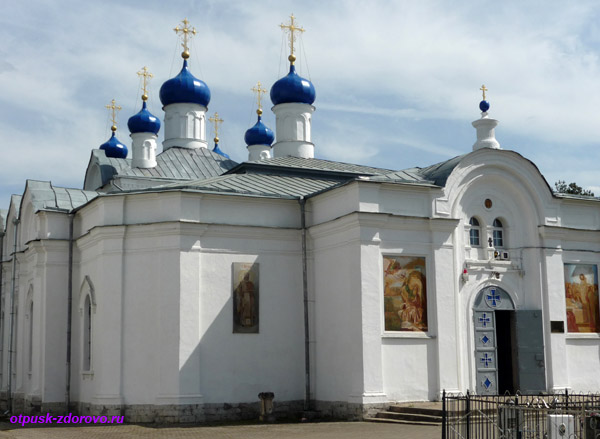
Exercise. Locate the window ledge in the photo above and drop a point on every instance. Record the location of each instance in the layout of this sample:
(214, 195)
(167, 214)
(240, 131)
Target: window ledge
(499, 265)
(407, 334)
(582, 335)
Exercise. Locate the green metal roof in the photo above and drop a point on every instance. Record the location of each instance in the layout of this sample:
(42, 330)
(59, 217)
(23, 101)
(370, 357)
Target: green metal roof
(44, 196)
(304, 165)
(258, 185)
(406, 176)
(439, 172)
(173, 164)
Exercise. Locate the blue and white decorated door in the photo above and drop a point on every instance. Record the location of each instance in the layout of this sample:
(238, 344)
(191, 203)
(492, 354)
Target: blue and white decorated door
(485, 353)
(489, 300)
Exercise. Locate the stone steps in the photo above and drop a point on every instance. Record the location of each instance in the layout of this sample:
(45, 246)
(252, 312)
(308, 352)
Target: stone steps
(396, 421)
(418, 414)
(416, 410)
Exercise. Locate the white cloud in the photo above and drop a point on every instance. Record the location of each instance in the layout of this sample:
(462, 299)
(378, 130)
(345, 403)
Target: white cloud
(376, 69)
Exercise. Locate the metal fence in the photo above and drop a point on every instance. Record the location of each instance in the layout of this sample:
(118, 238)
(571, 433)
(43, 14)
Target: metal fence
(545, 416)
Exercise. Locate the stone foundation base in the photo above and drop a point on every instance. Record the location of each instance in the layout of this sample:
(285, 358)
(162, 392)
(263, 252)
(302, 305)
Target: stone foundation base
(347, 411)
(190, 413)
(88, 409)
(25, 404)
(208, 413)
(56, 408)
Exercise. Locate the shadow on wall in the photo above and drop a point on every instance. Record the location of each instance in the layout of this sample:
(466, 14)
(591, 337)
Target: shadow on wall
(231, 369)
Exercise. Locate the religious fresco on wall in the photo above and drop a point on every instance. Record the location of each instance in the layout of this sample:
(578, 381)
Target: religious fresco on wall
(245, 297)
(581, 293)
(404, 293)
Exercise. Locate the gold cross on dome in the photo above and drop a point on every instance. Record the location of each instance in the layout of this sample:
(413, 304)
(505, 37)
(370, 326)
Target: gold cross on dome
(114, 108)
(216, 120)
(259, 92)
(483, 89)
(146, 75)
(187, 32)
(291, 28)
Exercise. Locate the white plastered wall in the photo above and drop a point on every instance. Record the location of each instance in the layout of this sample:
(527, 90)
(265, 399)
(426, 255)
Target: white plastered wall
(576, 356)
(42, 278)
(356, 361)
(164, 300)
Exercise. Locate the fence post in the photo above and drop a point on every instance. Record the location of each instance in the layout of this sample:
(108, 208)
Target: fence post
(444, 414)
(517, 417)
(468, 415)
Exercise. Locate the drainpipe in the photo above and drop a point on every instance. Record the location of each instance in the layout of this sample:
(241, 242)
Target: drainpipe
(69, 314)
(12, 315)
(307, 405)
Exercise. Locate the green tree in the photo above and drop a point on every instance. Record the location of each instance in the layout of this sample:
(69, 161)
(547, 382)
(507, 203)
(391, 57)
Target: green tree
(571, 188)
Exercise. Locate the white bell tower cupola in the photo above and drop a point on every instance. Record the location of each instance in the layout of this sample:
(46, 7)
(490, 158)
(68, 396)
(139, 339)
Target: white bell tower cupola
(185, 101)
(486, 137)
(292, 98)
(260, 137)
(144, 127)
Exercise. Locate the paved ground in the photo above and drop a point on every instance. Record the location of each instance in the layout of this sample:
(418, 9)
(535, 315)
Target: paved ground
(325, 430)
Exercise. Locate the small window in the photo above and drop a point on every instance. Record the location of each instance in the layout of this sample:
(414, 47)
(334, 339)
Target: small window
(474, 232)
(498, 233)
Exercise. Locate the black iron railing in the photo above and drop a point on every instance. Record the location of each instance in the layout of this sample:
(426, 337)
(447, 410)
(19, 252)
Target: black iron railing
(551, 416)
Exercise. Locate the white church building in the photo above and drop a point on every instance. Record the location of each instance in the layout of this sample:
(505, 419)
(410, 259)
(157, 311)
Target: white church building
(177, 286)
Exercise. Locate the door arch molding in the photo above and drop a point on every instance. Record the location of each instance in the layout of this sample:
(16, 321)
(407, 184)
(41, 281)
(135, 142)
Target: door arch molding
(500, 299)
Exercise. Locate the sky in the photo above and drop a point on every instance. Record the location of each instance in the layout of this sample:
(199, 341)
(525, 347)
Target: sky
(397, 82)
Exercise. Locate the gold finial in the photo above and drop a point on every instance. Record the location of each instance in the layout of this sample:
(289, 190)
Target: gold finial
(114, 108)
(259, 92)
(483, 89)
(147, 75)
(186, 30)
(216, 120)
(291, 28)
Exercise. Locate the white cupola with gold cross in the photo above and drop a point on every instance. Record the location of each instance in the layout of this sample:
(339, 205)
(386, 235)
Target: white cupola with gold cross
(144, 127)
(486, 137)
(185, 101)
(292, 98)
(260, 137)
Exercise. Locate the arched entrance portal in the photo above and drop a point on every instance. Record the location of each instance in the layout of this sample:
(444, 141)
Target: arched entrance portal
(509, 345)
(492, 312)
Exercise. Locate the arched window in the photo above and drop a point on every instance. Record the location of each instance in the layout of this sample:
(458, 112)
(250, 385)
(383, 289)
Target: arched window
(474, 232)
(87, 334)
(498, 233)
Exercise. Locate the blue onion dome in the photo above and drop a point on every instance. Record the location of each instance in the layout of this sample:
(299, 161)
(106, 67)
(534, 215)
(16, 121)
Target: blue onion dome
(259, 134)
(185, 88)
(293, 88)
(218, 150)
(484, 106)
(114, 148)
(143, 122)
